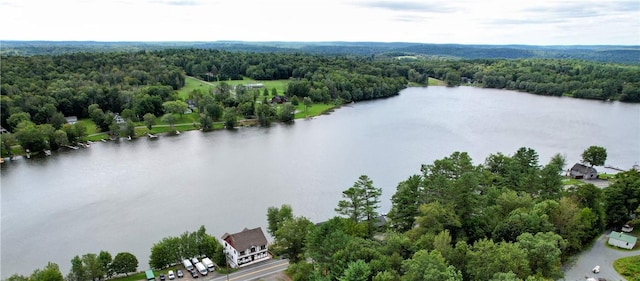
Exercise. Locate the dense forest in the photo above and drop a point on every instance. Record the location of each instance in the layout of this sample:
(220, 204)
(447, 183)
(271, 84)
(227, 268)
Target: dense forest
(37, 92)
(509, 218)
(602, 53)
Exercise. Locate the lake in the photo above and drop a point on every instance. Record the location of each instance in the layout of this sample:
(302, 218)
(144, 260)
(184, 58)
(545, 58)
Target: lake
(124, 196)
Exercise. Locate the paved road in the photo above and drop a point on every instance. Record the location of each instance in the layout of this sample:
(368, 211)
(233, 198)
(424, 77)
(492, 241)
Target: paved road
(254, 271)
(601, 255)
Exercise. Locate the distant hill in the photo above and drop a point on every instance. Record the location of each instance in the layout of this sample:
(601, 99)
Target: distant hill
(603, 53)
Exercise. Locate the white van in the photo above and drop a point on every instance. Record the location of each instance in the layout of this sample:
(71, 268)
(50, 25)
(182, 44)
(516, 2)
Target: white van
(200, 267)
(209, 264)
(187, 265)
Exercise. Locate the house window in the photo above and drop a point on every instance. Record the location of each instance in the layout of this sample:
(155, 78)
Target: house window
(242, 253)
(263, 247)
(253, 249)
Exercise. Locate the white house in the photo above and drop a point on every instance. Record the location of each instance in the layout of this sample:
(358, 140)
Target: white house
(622, 240)
(246, 247)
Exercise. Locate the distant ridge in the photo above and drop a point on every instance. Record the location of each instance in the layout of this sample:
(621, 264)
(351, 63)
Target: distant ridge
(602, 53)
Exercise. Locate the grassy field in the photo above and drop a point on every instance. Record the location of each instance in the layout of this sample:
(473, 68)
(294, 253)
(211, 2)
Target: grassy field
(628, 267)
(314, 110)
(436, 82)
(571, 181)
(191, 84)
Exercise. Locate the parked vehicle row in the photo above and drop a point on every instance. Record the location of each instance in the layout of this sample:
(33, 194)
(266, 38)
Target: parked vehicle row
(194, 266)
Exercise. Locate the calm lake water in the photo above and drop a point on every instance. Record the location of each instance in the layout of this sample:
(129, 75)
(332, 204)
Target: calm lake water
(127, 195)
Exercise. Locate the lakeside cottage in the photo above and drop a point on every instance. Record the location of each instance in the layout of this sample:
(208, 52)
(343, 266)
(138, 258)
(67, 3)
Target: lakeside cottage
(580, 171)
(246, 247)
(622, 240)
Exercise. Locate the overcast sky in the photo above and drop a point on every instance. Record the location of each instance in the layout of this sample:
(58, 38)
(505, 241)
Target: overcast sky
(533, 22)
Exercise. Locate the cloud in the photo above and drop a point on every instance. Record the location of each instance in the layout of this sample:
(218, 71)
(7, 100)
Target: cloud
(177, 2)
(410, 6)
(500, 22)
(573, 10)
(411, 18)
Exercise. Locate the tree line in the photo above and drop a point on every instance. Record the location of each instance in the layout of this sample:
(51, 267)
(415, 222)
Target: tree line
(37, 92)
(89, 267)
(509, 218)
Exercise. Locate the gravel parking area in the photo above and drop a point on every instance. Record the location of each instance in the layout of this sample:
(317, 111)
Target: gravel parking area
(601, 255)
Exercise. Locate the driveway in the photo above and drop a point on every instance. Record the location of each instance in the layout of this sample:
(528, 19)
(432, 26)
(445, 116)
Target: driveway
(598, 254)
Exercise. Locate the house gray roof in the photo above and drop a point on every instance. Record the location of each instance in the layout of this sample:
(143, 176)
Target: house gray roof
(245, 239)
(583, 169)
(623, 237)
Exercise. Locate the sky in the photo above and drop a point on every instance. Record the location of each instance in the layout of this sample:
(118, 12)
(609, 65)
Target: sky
(530, 22)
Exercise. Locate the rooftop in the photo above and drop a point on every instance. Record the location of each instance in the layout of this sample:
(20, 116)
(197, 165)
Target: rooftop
(246, 239)
(623, 237)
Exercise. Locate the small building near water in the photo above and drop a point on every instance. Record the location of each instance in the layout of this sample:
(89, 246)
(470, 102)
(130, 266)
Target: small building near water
(579, 171)
(246, 247)
(622, 240)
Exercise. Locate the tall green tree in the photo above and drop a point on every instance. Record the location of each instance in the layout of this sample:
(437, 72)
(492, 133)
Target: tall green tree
(487, 258)
(594, 155)
(51, 272)
(427, 266)
(292, 237)
(176, 107)
(356, 271)
(544, 251)
(124, 263)
(307, 103)
(92, 266)
(171, 119)
(105, 259)
(276, 217)
(77, 272)
(361, 202)
(31, 137)
(405, 203)
(622, 198)
(149, 120)
(230, 118)
(287, 113)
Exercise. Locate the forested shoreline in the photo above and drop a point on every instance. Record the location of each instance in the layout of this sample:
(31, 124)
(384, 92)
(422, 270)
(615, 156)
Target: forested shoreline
(37, 92)
(509, 218)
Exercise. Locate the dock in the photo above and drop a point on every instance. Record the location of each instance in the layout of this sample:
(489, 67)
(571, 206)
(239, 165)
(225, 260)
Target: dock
(614, 168)
(72, 147)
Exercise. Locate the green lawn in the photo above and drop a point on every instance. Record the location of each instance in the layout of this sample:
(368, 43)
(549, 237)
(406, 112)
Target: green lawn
(628, 267)
(606, 176)
(436, 82)
(280, 85)
(191, 84)
(314, 110)
(90, 125)
(132, 277)
(571, 181)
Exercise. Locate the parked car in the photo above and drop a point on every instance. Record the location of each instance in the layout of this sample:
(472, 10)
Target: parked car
(162, 277)
(179, 273)
(194, 261)
(596, 269)
(171, 275)
(194, 274)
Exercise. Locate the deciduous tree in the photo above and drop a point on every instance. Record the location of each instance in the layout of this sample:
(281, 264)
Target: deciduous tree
(124, 263)
(594, 155)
